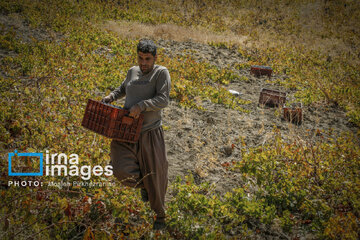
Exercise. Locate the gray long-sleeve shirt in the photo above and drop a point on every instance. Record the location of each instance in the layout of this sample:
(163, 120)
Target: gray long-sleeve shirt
(150, 91)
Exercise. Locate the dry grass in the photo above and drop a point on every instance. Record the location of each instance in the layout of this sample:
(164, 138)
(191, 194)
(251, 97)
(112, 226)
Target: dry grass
(135, 30)
(330, 28)
(246, 28)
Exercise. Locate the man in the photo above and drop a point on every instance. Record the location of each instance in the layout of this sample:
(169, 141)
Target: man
(144, 164)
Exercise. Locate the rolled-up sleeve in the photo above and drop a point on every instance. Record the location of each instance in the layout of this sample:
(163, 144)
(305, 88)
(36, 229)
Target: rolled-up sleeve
(161, 98)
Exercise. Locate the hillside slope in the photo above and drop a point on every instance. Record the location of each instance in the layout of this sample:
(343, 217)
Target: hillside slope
(236, 169)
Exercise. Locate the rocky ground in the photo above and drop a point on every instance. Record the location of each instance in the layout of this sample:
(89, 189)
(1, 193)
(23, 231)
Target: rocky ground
(200, 142)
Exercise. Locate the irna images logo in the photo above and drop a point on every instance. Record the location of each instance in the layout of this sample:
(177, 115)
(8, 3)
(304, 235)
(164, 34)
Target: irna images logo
(60, 165)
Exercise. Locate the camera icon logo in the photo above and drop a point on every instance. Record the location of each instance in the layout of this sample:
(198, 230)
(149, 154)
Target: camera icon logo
(39, 155)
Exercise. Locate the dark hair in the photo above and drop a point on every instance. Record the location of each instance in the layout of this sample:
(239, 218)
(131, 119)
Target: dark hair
(146, 46)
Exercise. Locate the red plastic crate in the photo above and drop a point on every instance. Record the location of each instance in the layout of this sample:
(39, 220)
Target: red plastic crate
(272, 98)
(261, 70)
(112, 121)
(293, 113)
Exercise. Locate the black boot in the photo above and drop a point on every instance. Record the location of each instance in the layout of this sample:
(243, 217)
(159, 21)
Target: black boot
(159, 224)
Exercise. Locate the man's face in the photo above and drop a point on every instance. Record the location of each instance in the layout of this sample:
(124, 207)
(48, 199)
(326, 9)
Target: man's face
(146, 61)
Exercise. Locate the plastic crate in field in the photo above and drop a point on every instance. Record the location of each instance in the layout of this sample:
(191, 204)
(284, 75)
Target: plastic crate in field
(293, 113)
(272, 98)
(112, 121)
(261, 70)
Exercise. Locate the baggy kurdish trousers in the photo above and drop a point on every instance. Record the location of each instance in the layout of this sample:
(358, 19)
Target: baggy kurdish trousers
(143, 165)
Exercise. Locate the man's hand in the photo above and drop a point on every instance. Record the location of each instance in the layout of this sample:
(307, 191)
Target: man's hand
(135, 111)
(107, 99)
